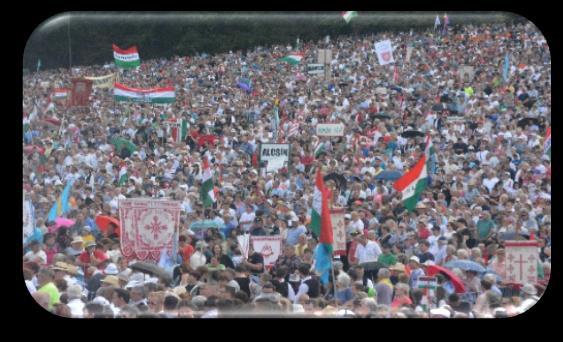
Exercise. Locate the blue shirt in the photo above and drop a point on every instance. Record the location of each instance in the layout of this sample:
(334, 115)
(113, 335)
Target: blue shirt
(293, 235)
(342, 296)
(415, 274)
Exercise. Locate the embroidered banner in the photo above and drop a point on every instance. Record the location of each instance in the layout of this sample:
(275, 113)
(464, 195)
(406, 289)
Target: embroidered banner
(147, 227)
(268, 246)
(521, 262)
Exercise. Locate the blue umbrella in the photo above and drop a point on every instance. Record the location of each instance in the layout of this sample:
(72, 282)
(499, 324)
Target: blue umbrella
(466, 265)
(389, 175)
(204, 224)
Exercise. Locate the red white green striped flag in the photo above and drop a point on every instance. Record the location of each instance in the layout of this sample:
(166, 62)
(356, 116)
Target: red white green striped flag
(321, 225)
(123, 176)
(317, 204)
(547, 143)
(293, 58)
(349, 15)
(206, 192)
(126, 59)
(412, 184)
(152, 95)
(60, 93)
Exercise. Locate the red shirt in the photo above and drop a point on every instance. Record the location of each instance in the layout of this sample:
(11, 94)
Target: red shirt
(51, 254)
(187, 252)
(85, 257)
(423, 233)
(307, 160)
(400, 301)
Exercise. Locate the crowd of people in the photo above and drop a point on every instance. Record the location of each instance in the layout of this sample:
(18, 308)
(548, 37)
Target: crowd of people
(491, 180)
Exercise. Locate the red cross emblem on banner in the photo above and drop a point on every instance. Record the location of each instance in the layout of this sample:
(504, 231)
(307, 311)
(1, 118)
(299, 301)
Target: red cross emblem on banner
(155, 227)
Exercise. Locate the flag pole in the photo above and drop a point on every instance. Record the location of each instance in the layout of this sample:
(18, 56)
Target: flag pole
(333, 278)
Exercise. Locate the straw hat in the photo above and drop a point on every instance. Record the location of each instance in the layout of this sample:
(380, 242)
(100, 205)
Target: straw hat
(111, 279)
(399, 267)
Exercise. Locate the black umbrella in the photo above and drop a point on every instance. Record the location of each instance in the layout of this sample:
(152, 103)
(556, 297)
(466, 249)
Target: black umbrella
(340, 180)
(382, 116)
(152, 269)
(528, 122)
(412, 134)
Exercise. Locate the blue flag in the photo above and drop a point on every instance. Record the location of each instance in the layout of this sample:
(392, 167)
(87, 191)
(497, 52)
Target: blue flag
(323, 262)
(61, 206)
(245, 84)
(505, 68)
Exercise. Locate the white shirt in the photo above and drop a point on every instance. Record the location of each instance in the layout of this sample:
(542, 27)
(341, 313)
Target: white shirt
(197, 259)
(368, 253)
(30, 286)
(357, 226)
(490, 183)
(32, 256)
(76, 308)
(247, 217)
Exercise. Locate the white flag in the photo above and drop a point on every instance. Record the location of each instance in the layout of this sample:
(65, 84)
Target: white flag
(384, 51)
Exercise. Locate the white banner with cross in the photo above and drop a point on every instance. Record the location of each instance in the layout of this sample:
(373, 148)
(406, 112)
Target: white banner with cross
(521, 262)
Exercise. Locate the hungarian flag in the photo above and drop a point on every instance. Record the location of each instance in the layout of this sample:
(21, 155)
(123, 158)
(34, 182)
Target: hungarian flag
(206, 192)
(349, 15)
(60, 94)
(293, 58)
(126, 59)
(320, 149)
(152, 95)
(123, 176)
(179, 129)
(412, 184)
(547, 143)
(321, 225)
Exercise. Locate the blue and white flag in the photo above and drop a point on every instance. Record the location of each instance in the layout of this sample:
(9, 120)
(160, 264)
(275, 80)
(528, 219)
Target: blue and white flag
(505, 68)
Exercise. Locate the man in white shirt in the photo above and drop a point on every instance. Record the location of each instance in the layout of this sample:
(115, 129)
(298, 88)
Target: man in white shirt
(355, 225)
(36, 254)
(75, 303)
(198, 258)
(247, 218)
(490, 181)
(367, 253)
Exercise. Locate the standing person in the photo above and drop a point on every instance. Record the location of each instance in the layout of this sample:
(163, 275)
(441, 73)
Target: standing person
(309, 286)
(198, 258)
(75, 303)
(384, 287)
(416, 272)
(367, 253)
(288, 259)
(529, 298)
(246, 220)
(223, 258)
(36, 254)
(45, 279)
(50, 248)
(254, 263)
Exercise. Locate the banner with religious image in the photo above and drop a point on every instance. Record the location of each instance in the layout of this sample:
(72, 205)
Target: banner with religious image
(269, 247)
(147, 227)
(521, 262)
(338, 231)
